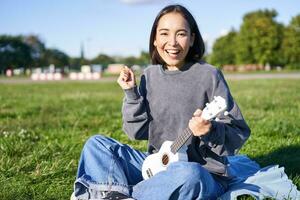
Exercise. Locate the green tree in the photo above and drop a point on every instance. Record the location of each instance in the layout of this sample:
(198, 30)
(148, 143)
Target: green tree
(56, 57)
(291, 44)
(260, 38)
(129, 61)
(103, 60)
(14, 53)
(75, 63)
(38, 50)
(144, 59)
(224, 50)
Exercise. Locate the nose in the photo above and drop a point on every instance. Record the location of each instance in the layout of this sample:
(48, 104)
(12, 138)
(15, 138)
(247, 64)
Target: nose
(172, 40)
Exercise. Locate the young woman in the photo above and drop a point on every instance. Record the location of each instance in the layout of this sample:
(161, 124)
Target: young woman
(169, 99)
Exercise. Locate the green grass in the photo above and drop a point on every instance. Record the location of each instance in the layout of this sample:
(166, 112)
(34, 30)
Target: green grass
(272, 71)
(44, 126)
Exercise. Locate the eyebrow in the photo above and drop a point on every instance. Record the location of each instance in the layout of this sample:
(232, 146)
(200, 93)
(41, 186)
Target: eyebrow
(165, 29)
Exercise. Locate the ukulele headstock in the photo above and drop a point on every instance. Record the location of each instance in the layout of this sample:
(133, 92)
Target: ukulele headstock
(214, 108)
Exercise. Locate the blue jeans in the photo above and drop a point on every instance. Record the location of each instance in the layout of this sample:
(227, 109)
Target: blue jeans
(107, 165)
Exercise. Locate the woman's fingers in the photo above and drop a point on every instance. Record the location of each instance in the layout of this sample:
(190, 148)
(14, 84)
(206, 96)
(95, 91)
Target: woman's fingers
(199, 126)
(198, 112)
(126, 78)
(127, 74)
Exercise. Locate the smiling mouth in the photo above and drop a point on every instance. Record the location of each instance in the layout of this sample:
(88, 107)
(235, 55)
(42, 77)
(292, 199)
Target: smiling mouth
(172, 52)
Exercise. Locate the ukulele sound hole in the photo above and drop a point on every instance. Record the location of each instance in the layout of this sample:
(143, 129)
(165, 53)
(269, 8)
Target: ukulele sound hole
(165, 159)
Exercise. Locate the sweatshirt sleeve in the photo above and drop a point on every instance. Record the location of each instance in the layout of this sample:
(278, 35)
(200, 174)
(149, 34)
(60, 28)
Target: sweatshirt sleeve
(135, 112)
(230, 132)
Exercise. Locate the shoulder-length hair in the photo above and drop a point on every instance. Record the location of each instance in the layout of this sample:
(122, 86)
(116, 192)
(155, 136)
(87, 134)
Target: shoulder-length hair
(195, 52)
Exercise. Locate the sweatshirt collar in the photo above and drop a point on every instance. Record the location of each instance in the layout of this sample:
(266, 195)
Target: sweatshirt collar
(184, 68)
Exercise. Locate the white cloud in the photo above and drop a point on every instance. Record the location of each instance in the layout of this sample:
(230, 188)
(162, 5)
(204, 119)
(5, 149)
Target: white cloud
(209, 41)
(224, 32)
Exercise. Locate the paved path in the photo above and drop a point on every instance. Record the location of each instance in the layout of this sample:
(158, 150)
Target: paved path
(112, 79)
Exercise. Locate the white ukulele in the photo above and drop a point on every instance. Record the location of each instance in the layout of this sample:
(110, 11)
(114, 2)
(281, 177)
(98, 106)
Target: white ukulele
(176, 151)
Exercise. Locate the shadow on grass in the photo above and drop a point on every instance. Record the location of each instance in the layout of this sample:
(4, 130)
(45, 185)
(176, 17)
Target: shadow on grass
(287, 157)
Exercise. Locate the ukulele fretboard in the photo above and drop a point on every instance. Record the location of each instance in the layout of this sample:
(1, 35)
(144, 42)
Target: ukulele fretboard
(180, 141)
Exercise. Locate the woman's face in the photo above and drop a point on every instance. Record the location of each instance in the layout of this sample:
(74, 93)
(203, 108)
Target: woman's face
(173, 39)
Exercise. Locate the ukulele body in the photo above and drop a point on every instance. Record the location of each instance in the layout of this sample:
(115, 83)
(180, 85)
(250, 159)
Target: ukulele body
(159, 161)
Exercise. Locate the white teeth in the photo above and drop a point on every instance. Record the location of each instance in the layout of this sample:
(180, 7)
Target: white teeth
(172, 51)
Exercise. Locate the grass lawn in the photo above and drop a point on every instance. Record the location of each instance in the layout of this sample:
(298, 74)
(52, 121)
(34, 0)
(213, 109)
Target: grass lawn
(43, 127)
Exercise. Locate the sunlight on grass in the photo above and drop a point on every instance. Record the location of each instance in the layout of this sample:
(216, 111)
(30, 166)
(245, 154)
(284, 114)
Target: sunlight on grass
(44, 126)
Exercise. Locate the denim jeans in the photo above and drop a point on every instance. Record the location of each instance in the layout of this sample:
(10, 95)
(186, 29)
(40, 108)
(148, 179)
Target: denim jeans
(107, 165)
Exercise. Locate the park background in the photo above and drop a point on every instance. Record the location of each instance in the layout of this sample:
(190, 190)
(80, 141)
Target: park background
(44, 124)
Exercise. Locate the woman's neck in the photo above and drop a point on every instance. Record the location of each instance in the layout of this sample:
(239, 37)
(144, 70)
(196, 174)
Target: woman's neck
(172, 68)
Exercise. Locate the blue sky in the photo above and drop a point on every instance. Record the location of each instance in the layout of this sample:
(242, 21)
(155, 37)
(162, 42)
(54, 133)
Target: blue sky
(122, 27)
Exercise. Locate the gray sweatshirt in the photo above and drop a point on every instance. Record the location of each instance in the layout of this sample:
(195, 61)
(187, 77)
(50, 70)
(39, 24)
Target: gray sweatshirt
(161, 107)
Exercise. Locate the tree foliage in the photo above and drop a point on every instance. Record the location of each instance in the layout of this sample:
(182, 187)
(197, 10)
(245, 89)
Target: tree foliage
(56, 57)
(31, 52)
(259, 39)
(37, 50)
(103, 59)
(291, 43)
(224, 50)
(28, 52)
(14, 53)
(144, 58)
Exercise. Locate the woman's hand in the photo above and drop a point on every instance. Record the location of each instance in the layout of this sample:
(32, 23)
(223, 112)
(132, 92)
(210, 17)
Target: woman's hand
(126, 79)
(198, 125)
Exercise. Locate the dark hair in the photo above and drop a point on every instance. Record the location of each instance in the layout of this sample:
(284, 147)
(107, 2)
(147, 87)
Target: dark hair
(195, 52)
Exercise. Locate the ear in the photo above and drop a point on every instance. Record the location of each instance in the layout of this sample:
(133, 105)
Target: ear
(192, 39)
(155, 43)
